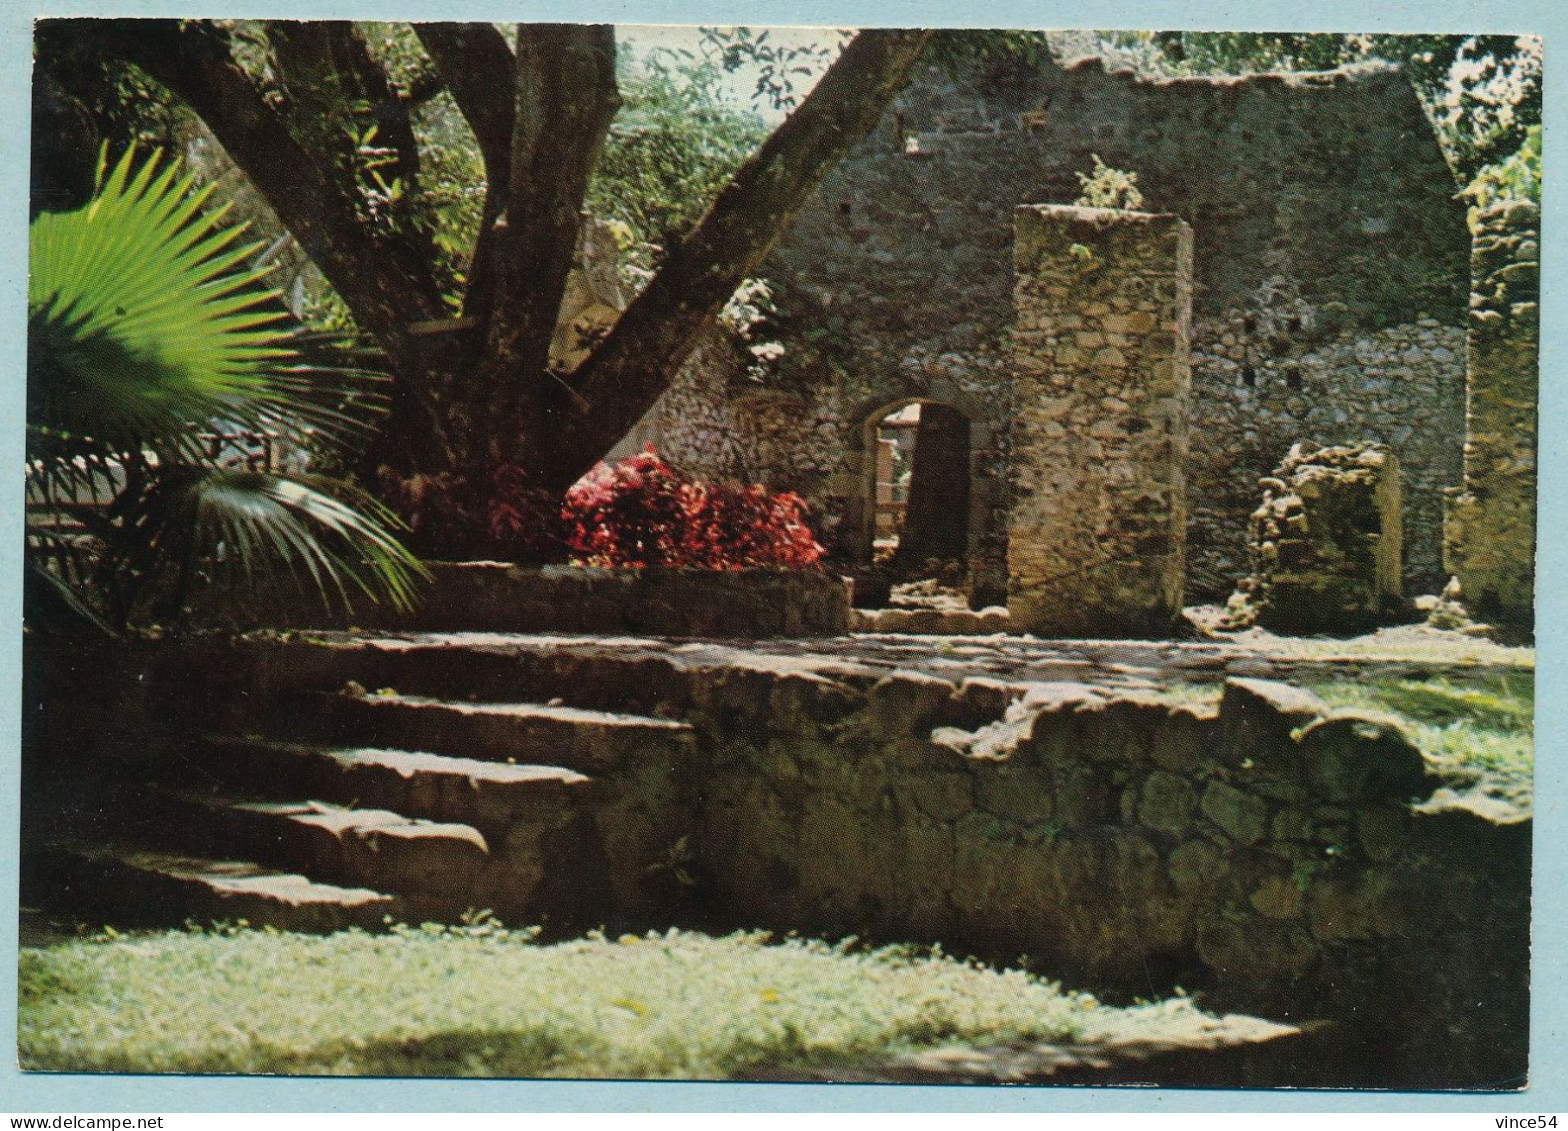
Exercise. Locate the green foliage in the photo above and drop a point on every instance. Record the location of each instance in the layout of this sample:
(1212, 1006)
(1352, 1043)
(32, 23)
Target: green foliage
(1483, 722)
(1516, 178)
(478, 1000)
(1109, 188)
(778, 66)
(955, 49)
(147, 328)
(674, 144)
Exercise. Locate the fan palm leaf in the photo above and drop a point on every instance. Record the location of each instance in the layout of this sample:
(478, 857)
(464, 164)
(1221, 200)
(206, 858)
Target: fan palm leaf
(146, 328)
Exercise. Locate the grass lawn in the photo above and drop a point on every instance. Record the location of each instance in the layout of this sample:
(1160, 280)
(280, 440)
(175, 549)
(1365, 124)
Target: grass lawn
(482, 1001)
(1487, 723)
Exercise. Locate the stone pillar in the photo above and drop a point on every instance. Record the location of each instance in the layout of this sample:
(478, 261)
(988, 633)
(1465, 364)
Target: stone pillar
(1489, 532)
(1102, 306)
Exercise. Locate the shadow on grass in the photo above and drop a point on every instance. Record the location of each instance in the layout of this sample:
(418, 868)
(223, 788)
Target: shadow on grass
(506, 1053)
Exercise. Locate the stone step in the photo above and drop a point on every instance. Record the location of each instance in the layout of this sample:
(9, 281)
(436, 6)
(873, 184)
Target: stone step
(137, 886)
(591, 742)
(490, 796)
(439, 869)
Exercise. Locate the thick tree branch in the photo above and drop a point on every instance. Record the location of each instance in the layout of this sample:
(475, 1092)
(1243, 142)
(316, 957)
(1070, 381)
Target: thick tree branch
(566, 97)
(332, 85)
(327, 73)
(622, 379)
(192, 62)
(480, 71)
(477, 67)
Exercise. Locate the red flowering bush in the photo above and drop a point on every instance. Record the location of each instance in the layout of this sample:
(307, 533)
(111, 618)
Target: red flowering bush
(641, 513)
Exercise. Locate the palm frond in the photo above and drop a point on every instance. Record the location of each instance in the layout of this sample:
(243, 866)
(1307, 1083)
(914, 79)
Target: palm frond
(142, 319)
(149, 326)
(243, 527)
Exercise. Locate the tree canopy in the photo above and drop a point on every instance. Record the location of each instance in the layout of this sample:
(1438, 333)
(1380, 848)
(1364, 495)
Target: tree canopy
(323, 118)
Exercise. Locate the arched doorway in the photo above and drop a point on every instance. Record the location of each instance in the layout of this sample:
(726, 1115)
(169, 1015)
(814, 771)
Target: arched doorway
(918, 488)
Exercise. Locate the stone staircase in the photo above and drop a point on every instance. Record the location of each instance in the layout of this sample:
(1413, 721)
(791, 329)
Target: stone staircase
(317, 809)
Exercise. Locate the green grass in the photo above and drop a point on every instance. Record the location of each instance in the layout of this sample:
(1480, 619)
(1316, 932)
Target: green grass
(481, 1001)
(1485, 722)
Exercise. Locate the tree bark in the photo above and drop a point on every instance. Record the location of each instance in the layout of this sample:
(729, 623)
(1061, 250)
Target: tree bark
(332, 86)
(566, 97)
(303, 190)
(622, 379)
(475, 62)
(476, 394)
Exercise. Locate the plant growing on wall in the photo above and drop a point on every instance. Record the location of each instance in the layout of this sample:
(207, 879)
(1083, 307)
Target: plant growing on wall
(1106, 187)
(145, 330)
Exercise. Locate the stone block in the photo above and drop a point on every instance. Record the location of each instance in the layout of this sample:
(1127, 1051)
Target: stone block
(1243, 817)
(906, 702)
(1259, 715)
(1196, 865)
(1354, 756)
(1166, 803)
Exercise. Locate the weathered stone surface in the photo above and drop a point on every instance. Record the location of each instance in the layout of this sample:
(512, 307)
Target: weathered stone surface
(1244, 818)
(1197, 864)
(140, 886)
(1489, 541)
(498, 597)
(1167, 803)
(487, 795)
(1097, 521)
(1252, 949)
(1277, 898)
(1259, 715)
(804, 800)
(1367, 905)
(1299, 327)
(908, 702)
(1326, 543)
(1354, 756)
(1382, 831)
(524, 732)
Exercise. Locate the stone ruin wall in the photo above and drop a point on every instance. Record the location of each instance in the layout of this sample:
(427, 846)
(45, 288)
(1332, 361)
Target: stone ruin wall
(1331, 266)
(1281, 858)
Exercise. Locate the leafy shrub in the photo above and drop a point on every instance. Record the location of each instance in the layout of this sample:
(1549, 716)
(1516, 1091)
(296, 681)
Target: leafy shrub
(641, 513)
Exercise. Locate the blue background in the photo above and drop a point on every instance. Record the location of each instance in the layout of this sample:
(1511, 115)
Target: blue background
(132, 1094)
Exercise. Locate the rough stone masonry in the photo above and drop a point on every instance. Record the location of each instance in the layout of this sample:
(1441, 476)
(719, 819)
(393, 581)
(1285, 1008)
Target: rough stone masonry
(1099, 439)
(1489, 539)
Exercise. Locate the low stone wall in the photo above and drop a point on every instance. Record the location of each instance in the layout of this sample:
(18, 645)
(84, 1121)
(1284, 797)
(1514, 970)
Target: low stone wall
(498, 597)
(1263, 852)
(492, 597)
(1281, 859)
